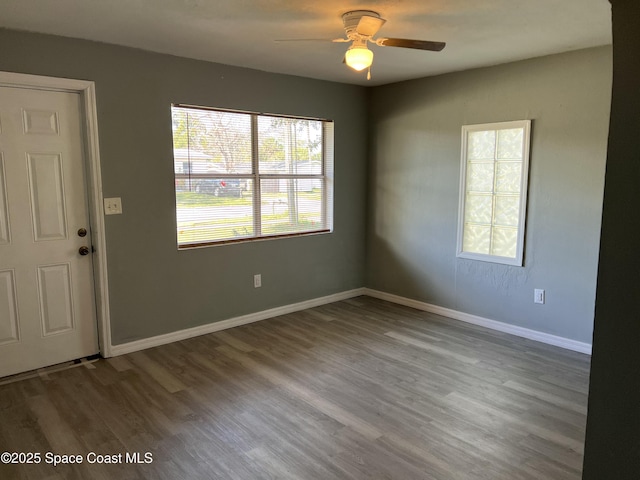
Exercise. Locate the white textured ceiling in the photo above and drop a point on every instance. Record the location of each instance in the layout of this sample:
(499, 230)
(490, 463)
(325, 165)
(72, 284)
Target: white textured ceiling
(242, 32)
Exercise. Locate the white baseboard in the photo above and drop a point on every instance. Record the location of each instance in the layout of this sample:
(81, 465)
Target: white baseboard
(484, 322)
(158, 340)
(145, 343)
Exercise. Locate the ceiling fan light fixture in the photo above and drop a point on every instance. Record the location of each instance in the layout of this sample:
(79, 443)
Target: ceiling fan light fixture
(359, 57)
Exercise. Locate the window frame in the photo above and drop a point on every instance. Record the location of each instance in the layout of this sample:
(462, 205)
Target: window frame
(518, 260)
(326, 177)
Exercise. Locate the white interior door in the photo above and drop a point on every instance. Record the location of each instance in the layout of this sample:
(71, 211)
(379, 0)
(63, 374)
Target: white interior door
(47, 302)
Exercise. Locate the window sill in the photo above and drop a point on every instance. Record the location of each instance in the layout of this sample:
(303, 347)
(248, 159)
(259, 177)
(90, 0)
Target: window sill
(189, 246)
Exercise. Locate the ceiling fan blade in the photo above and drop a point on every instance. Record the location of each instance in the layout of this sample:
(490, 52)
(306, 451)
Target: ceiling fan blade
(368, 26)
(312, 40)
(407, 43)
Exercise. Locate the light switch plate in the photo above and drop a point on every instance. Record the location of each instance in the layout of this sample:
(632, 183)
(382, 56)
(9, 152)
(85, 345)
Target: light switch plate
(113, 206)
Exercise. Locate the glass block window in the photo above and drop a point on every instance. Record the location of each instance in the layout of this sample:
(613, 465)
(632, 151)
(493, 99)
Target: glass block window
(493, 191)
(244, 176)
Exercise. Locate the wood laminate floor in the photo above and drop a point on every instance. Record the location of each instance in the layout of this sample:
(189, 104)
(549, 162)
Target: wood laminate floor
(352, 390)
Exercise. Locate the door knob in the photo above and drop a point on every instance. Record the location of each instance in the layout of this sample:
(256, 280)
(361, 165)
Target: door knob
(83, 250)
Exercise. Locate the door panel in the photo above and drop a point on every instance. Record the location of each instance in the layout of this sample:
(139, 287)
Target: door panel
(48, 209)
(56, 304)
(4, 211)
(8, 308)
(47, 303)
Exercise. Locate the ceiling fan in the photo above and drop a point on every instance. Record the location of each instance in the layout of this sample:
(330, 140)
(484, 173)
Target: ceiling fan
(360, 26)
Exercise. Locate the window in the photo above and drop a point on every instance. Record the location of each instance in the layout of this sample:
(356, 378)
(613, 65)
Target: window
(493, 191)
(242, 176)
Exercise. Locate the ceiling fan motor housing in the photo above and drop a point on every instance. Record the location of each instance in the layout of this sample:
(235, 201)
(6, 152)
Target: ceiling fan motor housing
(351, 21)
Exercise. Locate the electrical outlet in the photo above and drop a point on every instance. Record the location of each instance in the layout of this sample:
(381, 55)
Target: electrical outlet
(113, 206)
(538, 296)
(257, 280)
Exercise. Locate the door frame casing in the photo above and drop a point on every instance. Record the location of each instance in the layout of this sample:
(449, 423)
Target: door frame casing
(93, 183)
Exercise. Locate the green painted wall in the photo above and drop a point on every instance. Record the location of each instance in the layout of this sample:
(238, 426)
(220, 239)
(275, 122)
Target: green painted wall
(155, 289)
(612, 449)
(415, 131)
